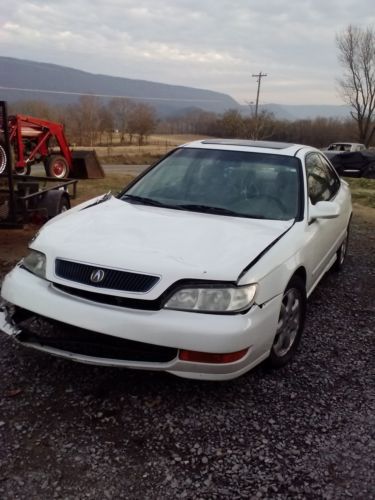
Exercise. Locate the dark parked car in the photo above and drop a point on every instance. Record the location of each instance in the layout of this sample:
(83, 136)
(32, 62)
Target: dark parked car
(356, 164)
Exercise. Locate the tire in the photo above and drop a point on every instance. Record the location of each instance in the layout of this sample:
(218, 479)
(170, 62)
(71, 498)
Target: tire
(23, 170)
(369, 173)
(4, 161)
(341, 253)
(56, 166)
(3, 158)
(64, 205)
(290, 324)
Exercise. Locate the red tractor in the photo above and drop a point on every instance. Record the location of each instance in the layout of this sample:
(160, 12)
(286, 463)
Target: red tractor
(34, 140)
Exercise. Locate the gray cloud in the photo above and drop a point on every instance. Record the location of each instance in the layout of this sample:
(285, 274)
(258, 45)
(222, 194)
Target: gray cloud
(209, 44)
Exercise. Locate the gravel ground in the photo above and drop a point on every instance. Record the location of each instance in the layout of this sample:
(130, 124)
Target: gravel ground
(71, 431)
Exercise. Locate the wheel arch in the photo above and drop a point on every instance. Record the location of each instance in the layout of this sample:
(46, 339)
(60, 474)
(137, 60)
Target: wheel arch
(52, 200)
(300, 273)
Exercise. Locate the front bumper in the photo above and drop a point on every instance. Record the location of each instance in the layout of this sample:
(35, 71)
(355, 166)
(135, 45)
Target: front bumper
(166, 328)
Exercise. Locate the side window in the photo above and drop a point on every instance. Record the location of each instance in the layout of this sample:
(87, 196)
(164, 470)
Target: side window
(333, 176)
(322, 182)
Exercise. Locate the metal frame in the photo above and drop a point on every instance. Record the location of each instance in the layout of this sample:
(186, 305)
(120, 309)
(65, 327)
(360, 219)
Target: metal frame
(19, 209)
(11, 221)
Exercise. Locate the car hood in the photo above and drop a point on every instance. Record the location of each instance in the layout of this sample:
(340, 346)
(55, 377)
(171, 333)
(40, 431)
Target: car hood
(173, 244)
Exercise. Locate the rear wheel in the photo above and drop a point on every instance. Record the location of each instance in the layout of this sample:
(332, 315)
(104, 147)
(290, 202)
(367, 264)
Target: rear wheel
(64, 205)
(369, 173)
(290, 324)
(3, 158)
(57, 166)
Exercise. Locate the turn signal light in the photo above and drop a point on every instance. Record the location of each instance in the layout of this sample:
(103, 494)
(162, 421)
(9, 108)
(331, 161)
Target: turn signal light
(208, 357)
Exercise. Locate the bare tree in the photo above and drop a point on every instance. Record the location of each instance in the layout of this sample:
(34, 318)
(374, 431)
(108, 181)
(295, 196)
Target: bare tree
(121, 108)
(232, 124)
(83, 120)
(142, 121)
(260, 126)
(105, 124)
(38, 109)
(356, 48)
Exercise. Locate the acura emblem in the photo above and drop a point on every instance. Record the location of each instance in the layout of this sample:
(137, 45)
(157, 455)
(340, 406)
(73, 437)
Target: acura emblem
(97, 276)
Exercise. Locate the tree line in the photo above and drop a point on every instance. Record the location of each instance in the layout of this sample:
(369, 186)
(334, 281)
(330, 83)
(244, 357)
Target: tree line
(90, 122)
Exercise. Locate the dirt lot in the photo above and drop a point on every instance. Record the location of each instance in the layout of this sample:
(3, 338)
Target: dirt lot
(72, 431)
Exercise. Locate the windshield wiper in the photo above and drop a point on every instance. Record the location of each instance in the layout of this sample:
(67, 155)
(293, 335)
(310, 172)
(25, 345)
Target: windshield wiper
(145, 201)
(189, 206)
(208, 209)
(218, 210)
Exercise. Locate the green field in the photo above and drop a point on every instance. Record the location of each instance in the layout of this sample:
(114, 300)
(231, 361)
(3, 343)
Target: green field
(87, 189)
(363, 191)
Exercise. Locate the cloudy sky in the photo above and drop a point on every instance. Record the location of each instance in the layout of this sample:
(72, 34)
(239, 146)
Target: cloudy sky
(213, 44)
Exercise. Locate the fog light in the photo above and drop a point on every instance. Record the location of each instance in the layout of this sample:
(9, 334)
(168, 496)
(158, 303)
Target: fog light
(209, 357)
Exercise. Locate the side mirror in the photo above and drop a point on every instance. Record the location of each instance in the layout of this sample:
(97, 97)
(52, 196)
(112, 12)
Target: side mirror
(323, 210)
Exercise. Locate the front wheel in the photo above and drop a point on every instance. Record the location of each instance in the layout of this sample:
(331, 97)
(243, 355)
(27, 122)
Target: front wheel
(57, 166)
(341, 253)
(290, 324)
(23, 170)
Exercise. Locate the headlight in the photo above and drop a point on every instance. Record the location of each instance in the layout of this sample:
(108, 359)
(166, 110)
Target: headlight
(35, 262)
(213, 299)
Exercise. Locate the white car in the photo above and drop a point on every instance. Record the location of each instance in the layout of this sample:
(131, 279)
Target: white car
(200, 268)
(345, 147)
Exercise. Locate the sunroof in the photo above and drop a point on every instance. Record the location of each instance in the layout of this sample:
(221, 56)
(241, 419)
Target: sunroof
(250, 144)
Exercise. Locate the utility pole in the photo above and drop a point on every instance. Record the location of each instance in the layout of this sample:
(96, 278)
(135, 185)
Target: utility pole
(259, 77)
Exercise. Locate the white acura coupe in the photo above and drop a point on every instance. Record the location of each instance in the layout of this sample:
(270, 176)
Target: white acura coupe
(201, 267)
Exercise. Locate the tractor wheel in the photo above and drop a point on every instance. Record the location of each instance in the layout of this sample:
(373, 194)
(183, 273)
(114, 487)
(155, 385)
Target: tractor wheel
(3, 158)
(23, 170)
(57, 166)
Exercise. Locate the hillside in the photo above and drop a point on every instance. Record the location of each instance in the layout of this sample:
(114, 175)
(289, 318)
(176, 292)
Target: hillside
(167, 99)
(65, 85)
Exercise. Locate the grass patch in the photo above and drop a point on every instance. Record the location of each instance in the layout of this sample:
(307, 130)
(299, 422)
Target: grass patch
(363, 191)
(154, 148)
(131, 159)
(89, 188)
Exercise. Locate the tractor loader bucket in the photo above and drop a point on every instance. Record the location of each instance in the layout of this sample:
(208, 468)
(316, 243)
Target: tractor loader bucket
(86, 165)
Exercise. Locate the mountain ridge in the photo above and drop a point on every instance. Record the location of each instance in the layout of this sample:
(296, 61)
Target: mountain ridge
(64, 85)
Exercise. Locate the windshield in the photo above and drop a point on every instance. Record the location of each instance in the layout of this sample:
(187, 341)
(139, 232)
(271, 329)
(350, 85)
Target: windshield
(254, 185)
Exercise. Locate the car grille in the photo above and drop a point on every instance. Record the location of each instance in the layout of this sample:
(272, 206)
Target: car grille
(112, 300)
(112, 279)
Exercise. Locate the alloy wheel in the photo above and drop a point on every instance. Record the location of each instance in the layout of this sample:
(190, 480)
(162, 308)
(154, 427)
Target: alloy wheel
(289, 322)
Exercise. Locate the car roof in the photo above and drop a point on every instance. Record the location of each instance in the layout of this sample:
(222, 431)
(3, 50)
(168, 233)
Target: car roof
(346, 144)
(270, 147)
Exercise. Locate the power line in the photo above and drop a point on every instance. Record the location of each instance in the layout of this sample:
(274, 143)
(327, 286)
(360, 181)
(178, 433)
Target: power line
(41, 91)
(259, 77)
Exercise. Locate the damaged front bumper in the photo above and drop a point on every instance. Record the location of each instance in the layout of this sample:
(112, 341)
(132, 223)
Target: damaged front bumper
(7, 323)
(116, 336)
(77, 344)
(83, 346)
